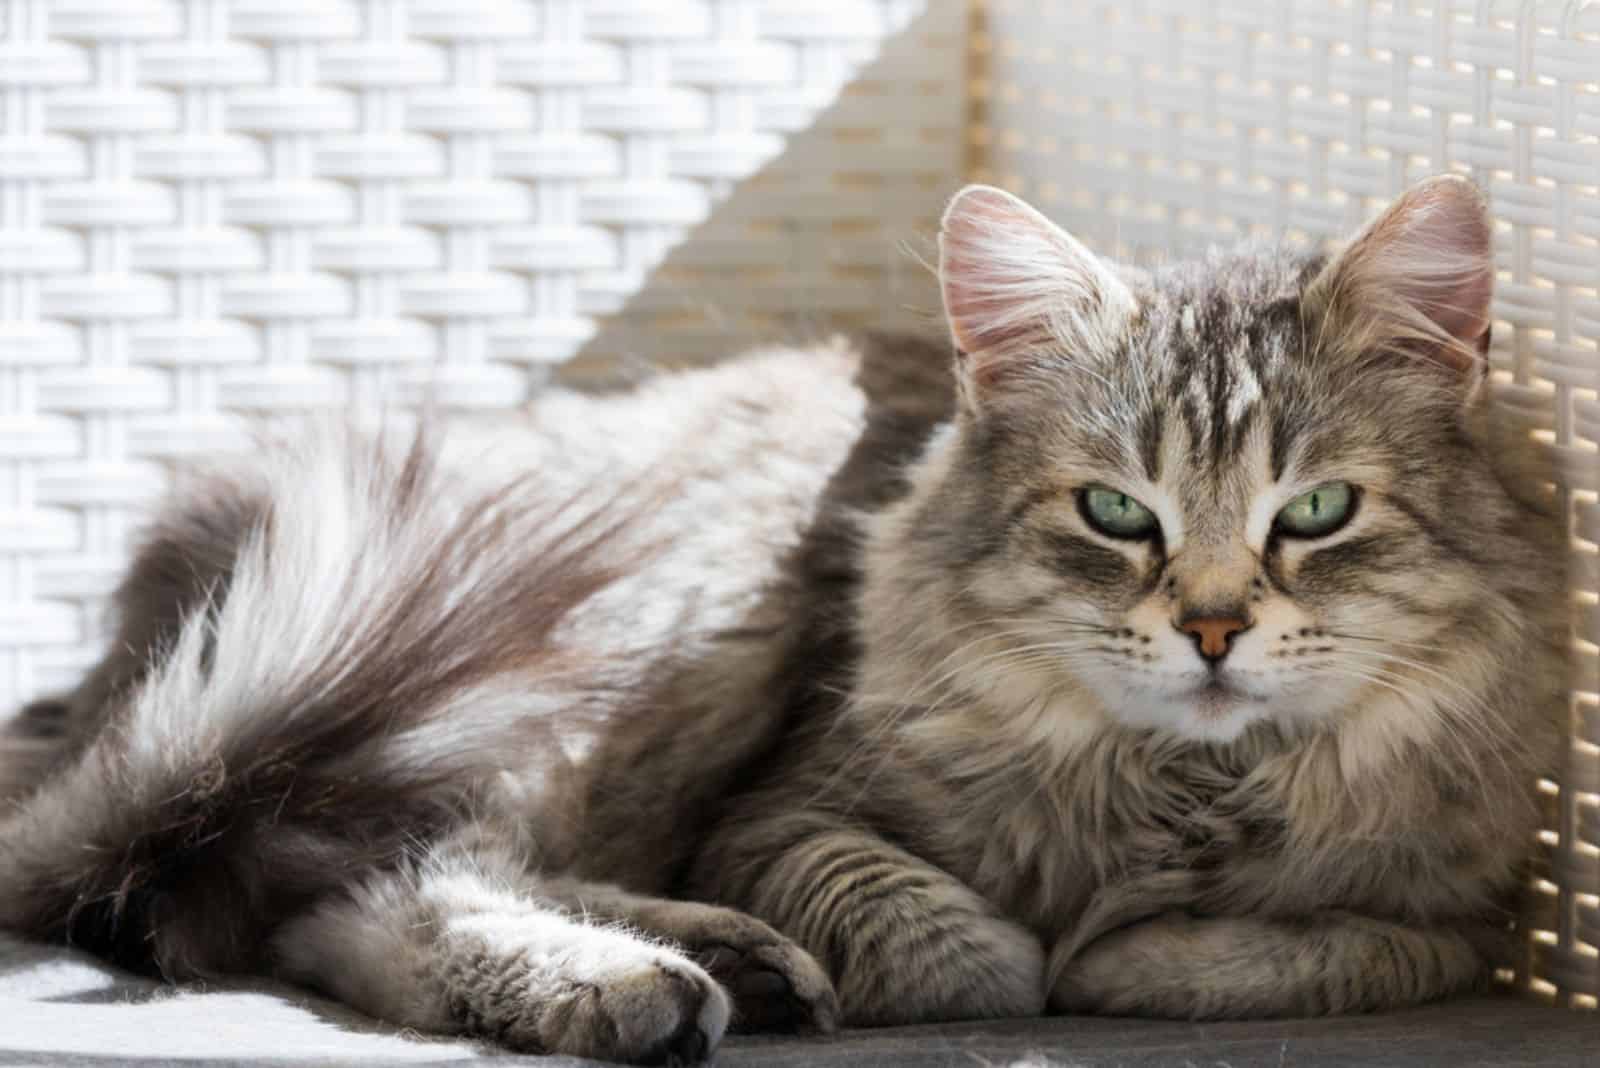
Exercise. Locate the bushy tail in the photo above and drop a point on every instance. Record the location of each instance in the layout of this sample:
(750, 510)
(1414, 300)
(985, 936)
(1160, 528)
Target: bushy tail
(32, 743)
(376, 644)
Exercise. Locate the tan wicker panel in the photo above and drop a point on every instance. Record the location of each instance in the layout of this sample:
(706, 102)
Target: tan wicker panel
(1157, 127)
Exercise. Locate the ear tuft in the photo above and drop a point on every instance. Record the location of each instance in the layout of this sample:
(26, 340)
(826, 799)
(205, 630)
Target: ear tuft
(1417, 281)
(1014, 282)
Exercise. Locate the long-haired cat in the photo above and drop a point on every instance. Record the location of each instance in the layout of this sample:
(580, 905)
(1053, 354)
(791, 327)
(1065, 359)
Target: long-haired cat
(1189, 644)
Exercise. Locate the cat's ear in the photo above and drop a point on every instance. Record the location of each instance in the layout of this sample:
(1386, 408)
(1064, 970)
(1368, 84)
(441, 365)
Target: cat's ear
(1416, 282)
(1018, 290)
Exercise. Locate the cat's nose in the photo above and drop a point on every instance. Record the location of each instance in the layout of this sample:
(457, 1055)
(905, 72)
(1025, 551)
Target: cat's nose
(1213, 635)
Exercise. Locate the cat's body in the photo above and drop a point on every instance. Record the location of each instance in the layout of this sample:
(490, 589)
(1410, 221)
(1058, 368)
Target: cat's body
(834, 639)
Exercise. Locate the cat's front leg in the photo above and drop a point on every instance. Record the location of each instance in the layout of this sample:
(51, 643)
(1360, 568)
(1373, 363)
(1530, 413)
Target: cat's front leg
(459, 947)
(904, 941)
(1176, 965)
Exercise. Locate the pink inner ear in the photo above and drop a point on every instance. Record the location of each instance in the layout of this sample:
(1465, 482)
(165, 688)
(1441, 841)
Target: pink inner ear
(1464, 316)
(1449, 228)
(996, 259)
(1019, 292)
(975, 314)
(1012, 278)
(1426, 268)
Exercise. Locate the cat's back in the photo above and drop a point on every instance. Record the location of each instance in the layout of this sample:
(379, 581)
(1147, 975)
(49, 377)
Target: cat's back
(710, 473)
(759, 426)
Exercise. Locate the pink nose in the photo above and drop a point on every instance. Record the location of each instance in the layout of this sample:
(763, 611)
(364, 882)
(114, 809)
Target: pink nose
(1213, 634)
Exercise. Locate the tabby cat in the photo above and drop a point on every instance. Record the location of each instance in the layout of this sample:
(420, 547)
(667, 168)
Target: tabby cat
(1189, 645)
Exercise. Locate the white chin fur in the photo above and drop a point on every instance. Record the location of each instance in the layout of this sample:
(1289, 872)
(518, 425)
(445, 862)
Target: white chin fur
(1200, 721)
(1179, 710)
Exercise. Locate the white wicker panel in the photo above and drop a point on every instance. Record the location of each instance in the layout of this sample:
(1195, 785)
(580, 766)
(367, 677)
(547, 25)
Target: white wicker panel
(217, 207)
(1156, 127)
(833, 232)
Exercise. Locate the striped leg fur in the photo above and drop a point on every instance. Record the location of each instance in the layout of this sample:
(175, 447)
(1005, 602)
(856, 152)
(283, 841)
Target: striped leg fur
(903, 941)
(1174, 965)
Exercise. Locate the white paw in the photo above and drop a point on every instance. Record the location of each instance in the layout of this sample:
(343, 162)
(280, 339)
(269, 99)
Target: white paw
(609, 997)
(646, 1012)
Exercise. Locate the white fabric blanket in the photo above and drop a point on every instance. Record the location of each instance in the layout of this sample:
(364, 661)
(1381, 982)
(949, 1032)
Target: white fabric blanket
(59, 1004)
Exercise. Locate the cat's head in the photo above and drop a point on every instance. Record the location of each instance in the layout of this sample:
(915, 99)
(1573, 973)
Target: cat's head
(1242, 489)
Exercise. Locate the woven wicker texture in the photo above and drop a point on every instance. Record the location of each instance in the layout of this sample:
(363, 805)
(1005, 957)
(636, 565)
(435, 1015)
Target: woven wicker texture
(1156, 127)
(210, 208)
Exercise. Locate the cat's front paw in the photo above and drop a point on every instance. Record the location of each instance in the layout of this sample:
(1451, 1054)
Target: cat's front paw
(934, 966)
(776, 985)
(1135, 971)
(629, 1002)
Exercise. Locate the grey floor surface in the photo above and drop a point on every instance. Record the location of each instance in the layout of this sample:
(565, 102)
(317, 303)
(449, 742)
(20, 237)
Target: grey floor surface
(1488, 1031)
(60, 1008)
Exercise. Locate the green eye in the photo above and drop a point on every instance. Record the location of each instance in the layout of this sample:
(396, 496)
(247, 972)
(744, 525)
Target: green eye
(1318, 513)
(1117, 514)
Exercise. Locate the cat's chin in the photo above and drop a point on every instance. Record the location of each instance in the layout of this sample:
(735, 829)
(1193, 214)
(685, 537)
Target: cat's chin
(1218, 712)
(1211, 711)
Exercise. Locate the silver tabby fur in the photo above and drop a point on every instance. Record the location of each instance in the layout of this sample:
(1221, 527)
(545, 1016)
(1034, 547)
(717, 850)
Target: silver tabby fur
(799, 691)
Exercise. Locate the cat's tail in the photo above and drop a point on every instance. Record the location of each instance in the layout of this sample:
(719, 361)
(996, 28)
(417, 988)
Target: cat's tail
(32, 743)
(374, 644)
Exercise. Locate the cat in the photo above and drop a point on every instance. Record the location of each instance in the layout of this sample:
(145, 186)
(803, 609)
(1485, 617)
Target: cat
(1182, 642)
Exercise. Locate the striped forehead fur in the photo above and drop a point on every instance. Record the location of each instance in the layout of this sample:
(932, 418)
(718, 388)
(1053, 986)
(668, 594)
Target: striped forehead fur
(1215, 335)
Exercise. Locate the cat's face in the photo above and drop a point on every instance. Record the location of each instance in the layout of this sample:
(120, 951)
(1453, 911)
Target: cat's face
(1223, 492)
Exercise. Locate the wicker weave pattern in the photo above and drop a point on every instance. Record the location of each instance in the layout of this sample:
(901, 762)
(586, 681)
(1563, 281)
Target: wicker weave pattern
(216, 207)
(1156, 127)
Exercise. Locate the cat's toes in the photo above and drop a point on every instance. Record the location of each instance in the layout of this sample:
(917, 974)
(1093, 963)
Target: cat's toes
(776, 986)
(657, 1009)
